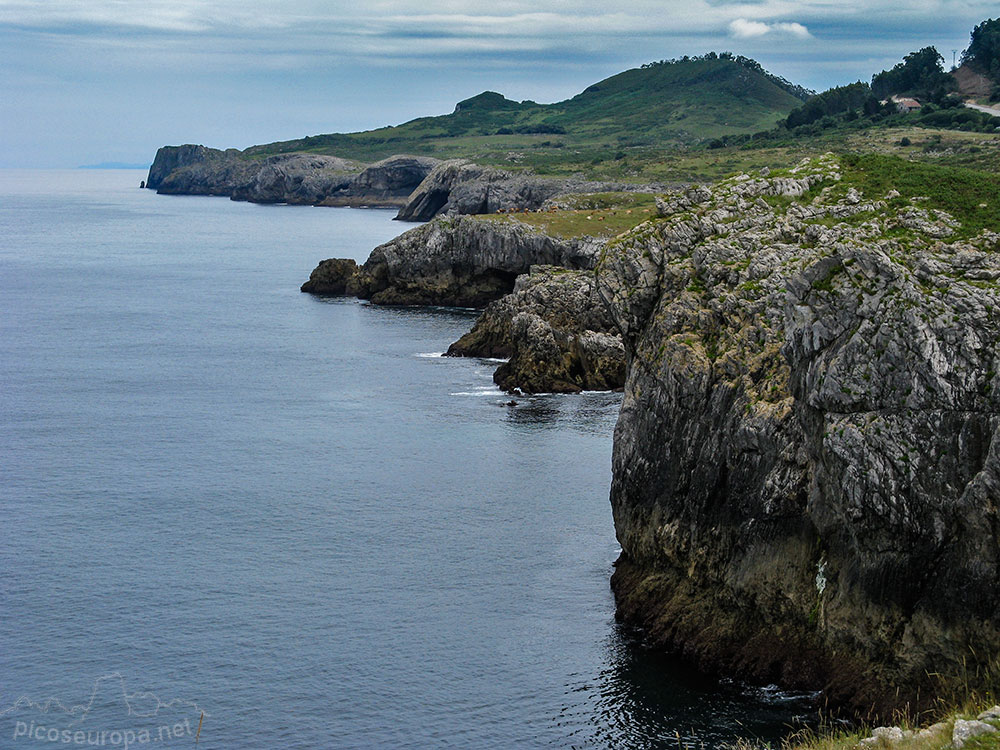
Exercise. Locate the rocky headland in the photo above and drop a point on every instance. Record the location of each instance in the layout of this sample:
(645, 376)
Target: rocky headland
(806, 479)
(296, 178)
(806, 476)
(329, 181)
(462, 187)
(806, 469)
(542, 310)
(463, 262)
(198, 170)
(554, 332)
(421, 187)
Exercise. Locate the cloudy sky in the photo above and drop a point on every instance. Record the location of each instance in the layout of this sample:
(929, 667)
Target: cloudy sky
(85, 81)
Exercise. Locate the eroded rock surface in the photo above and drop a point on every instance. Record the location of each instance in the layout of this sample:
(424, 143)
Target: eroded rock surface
(302, 179)
(806, 469)
(197, 170)
(463, 262)
(386, 183)
(308, 179)
(461, 187)
(555, 332)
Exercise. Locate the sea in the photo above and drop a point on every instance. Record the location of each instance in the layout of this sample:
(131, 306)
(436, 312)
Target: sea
(236, 516)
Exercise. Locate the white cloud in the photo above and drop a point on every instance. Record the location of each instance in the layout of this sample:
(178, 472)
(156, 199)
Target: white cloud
(742, 28)
(795, 29)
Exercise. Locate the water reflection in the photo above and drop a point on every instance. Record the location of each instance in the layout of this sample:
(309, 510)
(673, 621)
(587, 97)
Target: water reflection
(422, 314)
(593, 413)
(645, 699)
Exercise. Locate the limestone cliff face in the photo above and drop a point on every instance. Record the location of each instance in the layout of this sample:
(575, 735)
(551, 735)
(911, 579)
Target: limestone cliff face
(464, 262)
(386, 183)
(307, 179)
(461, 187)
(555, 333)
(296, 178)
(197, 170)
(543, 311)
(806, 465)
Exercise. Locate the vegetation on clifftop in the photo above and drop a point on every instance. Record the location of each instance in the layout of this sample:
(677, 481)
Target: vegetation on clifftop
(670, 103)
(971, 197)
(594, 215)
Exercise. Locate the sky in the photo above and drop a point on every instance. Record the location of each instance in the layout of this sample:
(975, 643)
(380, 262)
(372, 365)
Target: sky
(89, 81)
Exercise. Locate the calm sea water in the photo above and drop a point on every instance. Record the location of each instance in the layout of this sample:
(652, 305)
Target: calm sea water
(226, 502)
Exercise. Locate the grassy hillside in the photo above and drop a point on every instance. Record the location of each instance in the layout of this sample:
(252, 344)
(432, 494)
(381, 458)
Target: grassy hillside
(593, 215)
(689, 120)
(666, 104)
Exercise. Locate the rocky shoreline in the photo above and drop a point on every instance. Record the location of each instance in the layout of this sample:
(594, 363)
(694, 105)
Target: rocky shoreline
(554, 333)
(454, 260)
(460, 262)
(421, 187)
(541, 306)
(805, 472)
(304, 179)
(805, 476)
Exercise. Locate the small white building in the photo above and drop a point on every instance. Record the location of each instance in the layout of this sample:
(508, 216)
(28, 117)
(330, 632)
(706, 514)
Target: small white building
(905, 104)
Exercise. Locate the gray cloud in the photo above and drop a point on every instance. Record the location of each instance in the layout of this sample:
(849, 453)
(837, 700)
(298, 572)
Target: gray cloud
(159, 70)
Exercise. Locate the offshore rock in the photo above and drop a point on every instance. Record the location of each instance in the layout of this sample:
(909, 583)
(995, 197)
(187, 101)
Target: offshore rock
(555, 332)
(463, 262)
(331, 277)
(806, 464)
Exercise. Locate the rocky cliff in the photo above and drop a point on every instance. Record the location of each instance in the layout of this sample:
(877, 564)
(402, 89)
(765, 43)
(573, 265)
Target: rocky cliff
(286, 178)
(295, 178)
(555, 333)
(197, 170)
(543, 312)
(385, 183)
(462, 261)
(461, 187)
(806, 475)
(422, 187)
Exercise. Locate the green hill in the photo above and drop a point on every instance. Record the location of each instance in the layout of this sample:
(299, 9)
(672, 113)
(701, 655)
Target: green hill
(670, 103)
